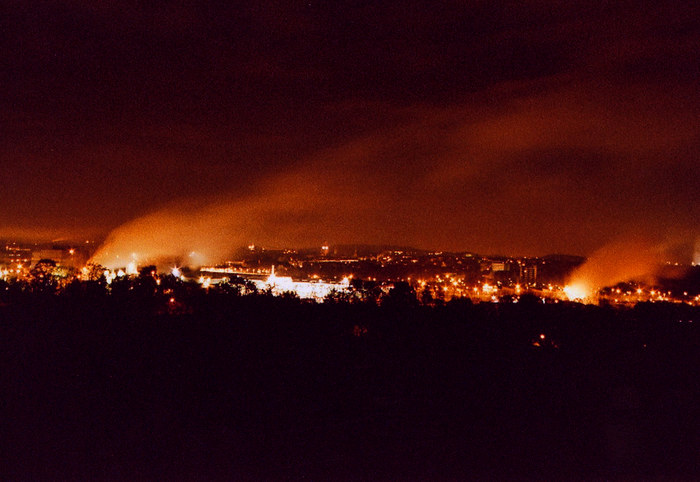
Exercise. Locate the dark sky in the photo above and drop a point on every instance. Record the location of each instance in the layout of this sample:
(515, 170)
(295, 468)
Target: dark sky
(513, 127)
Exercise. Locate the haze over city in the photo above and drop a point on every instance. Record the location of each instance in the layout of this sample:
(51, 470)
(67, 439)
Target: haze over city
(349, 240)
(509, 128)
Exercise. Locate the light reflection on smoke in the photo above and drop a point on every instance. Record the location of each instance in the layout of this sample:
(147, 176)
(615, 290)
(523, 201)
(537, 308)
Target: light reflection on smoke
(619, 261)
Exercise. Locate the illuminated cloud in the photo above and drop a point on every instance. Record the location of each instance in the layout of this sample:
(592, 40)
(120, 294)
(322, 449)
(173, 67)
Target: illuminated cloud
(617, 262)
(523, 128)
(501, 180)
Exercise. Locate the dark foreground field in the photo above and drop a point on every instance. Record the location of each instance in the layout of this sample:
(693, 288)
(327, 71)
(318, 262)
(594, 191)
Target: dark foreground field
(227, 387)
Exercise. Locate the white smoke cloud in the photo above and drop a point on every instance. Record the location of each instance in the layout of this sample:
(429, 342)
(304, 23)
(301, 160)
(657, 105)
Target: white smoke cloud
(451, 178)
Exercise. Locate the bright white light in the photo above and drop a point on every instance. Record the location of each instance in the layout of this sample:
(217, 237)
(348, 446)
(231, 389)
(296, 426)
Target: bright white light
(176, 272)
(576, 292)
(109, 276)
(317, 290)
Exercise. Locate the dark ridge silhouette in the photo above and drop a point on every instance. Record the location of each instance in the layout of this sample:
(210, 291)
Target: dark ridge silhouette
(170, 381)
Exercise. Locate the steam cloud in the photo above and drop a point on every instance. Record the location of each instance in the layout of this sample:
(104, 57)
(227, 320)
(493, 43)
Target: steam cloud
(619, 261)
(293, 209)
(454, 178)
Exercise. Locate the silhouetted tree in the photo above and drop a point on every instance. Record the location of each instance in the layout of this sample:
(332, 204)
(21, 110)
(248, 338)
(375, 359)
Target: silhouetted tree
(426, 297)
(42, 275)
(149, 271)
(228, 288)
(401, 293)
(94, 272)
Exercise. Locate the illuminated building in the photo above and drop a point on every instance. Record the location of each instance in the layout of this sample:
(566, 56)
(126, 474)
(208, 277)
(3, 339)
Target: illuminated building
(71, 258)
(528, 274)
(498, 266)
(14, 255)
(55, 255)
(317, 290)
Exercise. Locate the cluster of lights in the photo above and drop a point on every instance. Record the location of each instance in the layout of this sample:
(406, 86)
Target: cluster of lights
(576, 291)
(446, 285)
(318, 290)
(453, 286)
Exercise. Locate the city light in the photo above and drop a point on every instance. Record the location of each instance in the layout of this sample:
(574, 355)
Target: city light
(576, 292)
(434, 277)
(317, 290)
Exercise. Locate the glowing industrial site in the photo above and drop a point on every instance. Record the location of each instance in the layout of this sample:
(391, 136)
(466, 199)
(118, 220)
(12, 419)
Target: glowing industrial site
(349, 240)
(612, 275)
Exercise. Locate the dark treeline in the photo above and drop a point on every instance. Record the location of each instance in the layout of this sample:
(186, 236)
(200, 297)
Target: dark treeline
(194, 384)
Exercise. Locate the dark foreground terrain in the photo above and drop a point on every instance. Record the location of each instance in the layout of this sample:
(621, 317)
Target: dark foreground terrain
(219, 386)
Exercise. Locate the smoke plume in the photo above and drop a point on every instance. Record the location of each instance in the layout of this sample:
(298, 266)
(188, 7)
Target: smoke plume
(616, 262)
(489, 179)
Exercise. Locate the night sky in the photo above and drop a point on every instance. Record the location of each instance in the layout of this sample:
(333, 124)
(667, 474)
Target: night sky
(498, 127)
